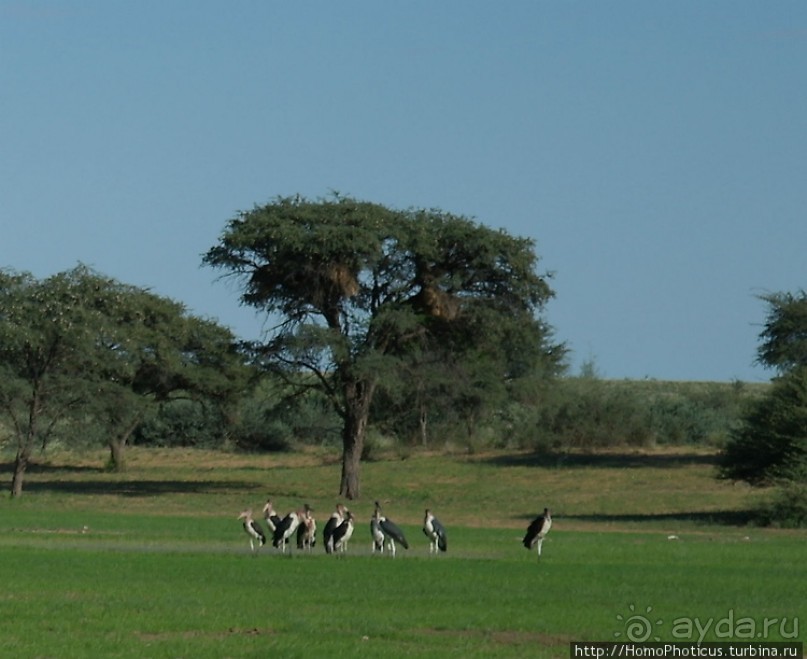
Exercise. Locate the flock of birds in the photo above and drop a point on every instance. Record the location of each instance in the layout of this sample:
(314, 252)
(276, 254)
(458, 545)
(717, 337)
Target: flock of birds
(301, 526)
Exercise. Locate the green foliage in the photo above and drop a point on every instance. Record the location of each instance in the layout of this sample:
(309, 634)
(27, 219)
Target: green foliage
(772, 442)
(380, 281)
(586, 412)
(787, 507)
(571, 413)
(182, 423)
(275, 416)
(784, 339)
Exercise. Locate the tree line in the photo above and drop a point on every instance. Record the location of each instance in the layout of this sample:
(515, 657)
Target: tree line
(421, 304)
(418, 327)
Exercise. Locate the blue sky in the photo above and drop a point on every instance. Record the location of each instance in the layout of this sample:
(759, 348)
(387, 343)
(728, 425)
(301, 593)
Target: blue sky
(655, 151)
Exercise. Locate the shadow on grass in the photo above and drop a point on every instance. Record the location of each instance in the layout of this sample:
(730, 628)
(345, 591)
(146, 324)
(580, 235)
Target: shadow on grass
(710, 518)
(37, 468)
(136, 488)
(603, 460)
(45, 478)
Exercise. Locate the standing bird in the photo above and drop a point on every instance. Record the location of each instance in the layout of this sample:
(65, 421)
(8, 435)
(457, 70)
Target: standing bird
(537, 530)
(435, 532)
(376, 532)
(337, 517)
(285, 529)
(307, 530)
(386, 531)
(271, 518)
(342, 534)
(253, 530)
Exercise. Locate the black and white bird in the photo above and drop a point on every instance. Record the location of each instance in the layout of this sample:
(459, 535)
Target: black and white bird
(537, 530)
(342, 534)
(435, 532)
(271, 518)
(385, 531)
(253, 530)
(285, 529)
(307, 530)
(376, 533)
(337, 517)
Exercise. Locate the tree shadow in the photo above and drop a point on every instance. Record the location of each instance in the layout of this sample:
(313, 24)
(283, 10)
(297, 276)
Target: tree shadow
(45, 477)
(625, 460)
(705, 518)
(136, 488)
(47, 468)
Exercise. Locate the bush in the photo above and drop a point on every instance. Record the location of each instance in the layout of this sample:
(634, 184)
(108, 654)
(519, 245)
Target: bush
(270, 419)
(273, 435)
(588, 413)
(788, 507)
(184, 423)
(771, 444)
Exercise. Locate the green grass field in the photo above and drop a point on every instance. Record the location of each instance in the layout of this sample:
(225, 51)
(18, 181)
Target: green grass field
(153, 563)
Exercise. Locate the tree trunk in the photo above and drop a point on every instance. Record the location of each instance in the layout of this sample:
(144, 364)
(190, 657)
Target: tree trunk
(25, 442)
(117, 447)
(358, 396)
(423, 423)
(351, 458)
(20, 465)
(117, 454)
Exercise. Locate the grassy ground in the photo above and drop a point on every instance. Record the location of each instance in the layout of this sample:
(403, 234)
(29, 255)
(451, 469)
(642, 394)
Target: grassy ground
(154, 563)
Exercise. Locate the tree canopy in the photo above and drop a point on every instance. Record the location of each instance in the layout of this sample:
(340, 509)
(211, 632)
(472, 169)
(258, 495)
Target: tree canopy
(359, 290)
(784, 338)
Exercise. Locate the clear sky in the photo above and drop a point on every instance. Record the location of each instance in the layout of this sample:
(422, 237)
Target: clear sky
(655, 151)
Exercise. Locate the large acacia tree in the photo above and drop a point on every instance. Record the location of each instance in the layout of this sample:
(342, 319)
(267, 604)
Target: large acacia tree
(357, 289)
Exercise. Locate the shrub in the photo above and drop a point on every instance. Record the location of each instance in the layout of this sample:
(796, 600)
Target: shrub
(183, 423)
(587, 412)
(591, 413)
(772, 442)
(788, 507)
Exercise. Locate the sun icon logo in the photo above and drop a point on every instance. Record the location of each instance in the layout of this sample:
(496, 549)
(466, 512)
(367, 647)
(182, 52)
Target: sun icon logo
(637, 626)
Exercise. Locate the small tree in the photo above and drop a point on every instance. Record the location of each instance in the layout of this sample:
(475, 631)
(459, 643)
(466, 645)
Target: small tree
(48, 335)
(355, 286)
(159, 353)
